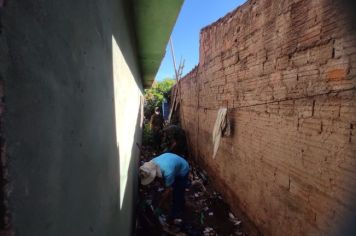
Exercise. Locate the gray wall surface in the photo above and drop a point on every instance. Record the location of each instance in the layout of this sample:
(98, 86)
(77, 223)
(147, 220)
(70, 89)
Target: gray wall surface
(60, 62)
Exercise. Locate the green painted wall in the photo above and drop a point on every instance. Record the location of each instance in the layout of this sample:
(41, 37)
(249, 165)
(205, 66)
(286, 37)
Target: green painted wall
(73, 73)
(73, 116)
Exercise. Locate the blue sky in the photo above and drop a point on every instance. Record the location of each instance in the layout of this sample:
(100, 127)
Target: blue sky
(194, 15)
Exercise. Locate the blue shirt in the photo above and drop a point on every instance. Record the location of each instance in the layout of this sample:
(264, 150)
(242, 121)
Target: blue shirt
(171, 166)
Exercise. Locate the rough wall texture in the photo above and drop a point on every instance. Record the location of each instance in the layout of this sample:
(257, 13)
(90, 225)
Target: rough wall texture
(72, 93)
(286, 70)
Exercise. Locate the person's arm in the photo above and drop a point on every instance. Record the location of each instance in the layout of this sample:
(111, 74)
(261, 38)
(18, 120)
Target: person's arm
(168, 181)
(165, 195)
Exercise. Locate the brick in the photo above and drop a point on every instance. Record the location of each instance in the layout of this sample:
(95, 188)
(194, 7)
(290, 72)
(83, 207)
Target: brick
(282, 179)
(337, 74)
(300, 58)
(304, 108)
(286, 70)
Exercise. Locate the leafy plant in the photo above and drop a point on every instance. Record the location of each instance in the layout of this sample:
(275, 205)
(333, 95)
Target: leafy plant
(147, 137)
(155, 95)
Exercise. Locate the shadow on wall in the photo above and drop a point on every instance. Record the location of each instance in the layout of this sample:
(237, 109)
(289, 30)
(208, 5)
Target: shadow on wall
(129, 197)
(128, 103)
(125, 37)
(61, 122)
(123, 220)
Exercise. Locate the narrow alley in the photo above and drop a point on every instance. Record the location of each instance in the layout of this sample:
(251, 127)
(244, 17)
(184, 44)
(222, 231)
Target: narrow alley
(206, 213)
(269, 113)
(262, 94)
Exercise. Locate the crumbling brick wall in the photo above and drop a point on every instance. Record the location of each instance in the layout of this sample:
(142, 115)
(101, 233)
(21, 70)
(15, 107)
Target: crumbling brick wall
(286, 71)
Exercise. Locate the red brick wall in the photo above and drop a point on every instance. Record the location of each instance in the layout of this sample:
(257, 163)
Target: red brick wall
(286, 71)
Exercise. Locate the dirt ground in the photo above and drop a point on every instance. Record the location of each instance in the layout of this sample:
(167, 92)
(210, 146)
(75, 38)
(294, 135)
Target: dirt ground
(205, 213)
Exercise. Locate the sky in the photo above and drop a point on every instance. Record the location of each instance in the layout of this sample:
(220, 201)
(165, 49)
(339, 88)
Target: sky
(194, 15)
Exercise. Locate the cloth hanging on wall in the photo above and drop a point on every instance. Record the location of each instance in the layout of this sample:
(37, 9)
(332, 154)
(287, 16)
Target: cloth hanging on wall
(221, 127)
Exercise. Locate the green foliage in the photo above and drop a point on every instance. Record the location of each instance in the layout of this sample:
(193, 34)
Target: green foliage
(147, 137)
(155, 95)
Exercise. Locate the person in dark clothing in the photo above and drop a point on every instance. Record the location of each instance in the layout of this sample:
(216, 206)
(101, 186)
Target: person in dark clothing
(156, 123)
(174, 140)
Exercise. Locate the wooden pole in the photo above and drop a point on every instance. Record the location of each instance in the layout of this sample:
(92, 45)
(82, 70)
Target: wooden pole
(178, 74)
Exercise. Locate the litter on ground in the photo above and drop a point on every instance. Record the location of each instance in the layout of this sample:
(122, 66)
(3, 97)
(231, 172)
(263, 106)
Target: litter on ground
(205, 211)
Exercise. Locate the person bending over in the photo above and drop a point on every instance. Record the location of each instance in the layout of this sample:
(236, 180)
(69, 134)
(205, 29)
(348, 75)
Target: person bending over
(174, 170)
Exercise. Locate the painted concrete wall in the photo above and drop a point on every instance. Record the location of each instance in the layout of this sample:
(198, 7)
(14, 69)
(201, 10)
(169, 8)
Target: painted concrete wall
(73, 116)
(286, 71)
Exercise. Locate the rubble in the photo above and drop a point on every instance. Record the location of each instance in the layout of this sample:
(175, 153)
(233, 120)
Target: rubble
(208, 231)
(205, 213)
(234, 219)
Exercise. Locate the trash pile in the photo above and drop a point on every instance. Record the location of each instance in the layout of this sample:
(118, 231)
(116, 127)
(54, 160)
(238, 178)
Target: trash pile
(205, 211)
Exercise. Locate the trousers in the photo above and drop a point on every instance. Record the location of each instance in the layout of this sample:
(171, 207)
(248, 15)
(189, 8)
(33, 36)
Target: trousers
(178, 198)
